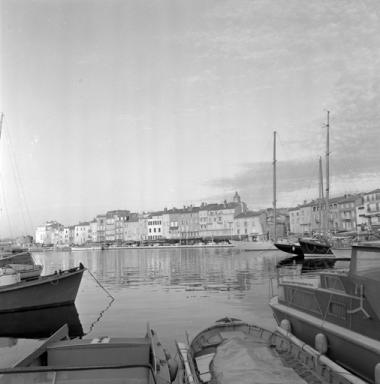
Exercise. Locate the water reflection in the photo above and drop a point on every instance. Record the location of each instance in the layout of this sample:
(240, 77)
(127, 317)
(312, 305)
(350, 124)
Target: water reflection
(223, 269)
(40, 323)
(174, 290)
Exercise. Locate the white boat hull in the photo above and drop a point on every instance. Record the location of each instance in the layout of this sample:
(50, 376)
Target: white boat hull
(342, 252)
(254, 245)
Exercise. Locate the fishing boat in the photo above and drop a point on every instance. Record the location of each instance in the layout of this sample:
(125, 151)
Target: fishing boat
(101, 360)
(59, 288)
(22, 262)
(232, 351)
(339, 311)
(40, 323)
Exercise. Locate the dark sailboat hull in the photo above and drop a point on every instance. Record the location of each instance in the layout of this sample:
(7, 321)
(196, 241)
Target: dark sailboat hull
(46, 291)
(311, 248)
(289, 248)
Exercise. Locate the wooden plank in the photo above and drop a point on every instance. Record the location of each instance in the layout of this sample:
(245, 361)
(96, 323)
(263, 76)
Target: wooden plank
(60, 334)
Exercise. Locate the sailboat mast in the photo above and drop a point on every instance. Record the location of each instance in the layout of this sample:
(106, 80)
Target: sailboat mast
(274, 188)
(322, 225)
(328, 172)
(1, 123)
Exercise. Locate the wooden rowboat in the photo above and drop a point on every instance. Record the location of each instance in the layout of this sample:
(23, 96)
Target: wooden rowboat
(232, 351)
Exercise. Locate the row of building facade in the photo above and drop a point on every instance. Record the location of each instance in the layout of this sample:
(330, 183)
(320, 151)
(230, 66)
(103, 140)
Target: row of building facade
(347, 213)
(207, 222)
(227, 220)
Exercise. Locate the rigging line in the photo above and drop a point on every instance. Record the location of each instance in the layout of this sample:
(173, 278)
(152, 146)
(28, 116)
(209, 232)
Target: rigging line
(18, 179)
(310, 182)
(5, 205)
(15, 178)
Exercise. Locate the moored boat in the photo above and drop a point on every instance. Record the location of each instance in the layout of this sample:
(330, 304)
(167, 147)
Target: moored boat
(315, 248)
(340, 309)
(59, 288)
(22, 262)
(99, 360)
(293, 248)
(254, 245)
(232, 351)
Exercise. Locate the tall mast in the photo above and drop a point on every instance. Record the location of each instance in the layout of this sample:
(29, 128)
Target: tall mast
(274, 188)
(1, 123)
(328, 173)
(322, 226)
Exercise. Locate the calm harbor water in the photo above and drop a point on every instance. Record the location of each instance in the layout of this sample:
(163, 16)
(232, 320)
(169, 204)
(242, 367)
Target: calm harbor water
(175, 290)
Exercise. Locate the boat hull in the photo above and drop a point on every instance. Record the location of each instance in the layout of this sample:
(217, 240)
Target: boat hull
(313, 248)
(289, 248)
(16, 258)
(349, 349)
(254, 245)
(342, 253)
(46, 291)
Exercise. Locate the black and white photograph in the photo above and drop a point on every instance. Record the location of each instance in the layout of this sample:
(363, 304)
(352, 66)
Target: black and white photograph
(190, 191)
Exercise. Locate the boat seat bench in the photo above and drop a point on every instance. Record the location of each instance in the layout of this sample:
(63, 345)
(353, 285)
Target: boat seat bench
(104, 354)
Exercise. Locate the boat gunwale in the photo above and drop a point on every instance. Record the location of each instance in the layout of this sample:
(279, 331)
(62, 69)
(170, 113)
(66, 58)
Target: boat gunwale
(43, 279)
(57, 368)
(337, 330)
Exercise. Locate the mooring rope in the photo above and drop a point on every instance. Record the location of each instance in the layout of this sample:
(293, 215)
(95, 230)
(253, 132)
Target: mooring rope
(101, 286)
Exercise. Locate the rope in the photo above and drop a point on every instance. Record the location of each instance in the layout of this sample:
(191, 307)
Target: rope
(101, 286)
(92, 326)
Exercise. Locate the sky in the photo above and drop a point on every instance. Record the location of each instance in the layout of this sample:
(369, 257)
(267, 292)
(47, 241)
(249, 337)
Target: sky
(147, 104)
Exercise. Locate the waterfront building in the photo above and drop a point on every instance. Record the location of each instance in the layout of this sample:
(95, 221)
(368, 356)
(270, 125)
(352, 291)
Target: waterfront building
(101, 228)
(282, 223)
(143, 226)
(82, 233)
(370, 211)
(154, 226)
(40, 234)
(49, 234)
(171, 219)
(131, 229)
(64, 238)
(115, 224)
(216, 220)
(249, 225)
(318, 215)
(71, 234)
(188, 223)
(301, 219)
(24, 241)
(310, 218)
(94, 231)
(347, 218)
(294, 220)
